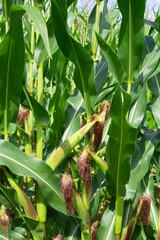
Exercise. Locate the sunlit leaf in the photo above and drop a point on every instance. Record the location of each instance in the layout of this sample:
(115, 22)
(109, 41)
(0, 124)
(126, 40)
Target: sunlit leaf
(23, 165)
(11, 71)
(76, 53)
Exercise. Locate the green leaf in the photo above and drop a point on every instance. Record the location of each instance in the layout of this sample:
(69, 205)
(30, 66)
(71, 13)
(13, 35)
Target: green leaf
(72, 231)
(11, 195)
(101, 74)
(157, 21)
(35, 227)
(107, 93)
(139, 165)
(122, 138)
(23, 165)
(149, 45)
(11, 71)
(151, 24)
(154, 84)
(106, 230)
(120, 147)
(104, 22)
(131, 39)
(105, 134)
(148, 188)
(15, 235)
(59, 64)
(41, 53)
(72, 119)
(156, 109)
(59, 119)
(71, 17)
(69, 2)
(98, 182)
(138, 108)
(39, 113)
(3, 237)
(22, 197)
(40, 24)
(149, 69)
(75, 52)
(112, 59)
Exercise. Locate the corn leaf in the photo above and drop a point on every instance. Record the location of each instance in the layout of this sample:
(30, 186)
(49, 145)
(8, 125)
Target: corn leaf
(112, 59)
(120, 129)
(23, 165)
(131, 39)
(11, 72)
(120, 147)
(75, 52)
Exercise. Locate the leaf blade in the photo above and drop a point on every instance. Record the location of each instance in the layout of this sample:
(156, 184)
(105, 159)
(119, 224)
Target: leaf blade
(74, 51)
(21, 164)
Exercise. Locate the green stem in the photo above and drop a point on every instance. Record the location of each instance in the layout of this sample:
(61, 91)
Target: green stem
(119, 215)
(27, 140)
(96, 29)
(37, 35)
(18, 135)
(159, 218)
(6, 107)
(41, 208)
(31, 80)
(130, 50)
(51, 92)
(6, 15)
(85, 236)
(40, 201)
(39, 148)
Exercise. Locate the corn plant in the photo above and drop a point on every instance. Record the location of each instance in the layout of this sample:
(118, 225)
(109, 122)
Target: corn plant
(79, 121)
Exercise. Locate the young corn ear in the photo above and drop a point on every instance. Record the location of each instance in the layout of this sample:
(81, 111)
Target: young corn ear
(105, 106)
(4, 221)
(98, 133)
(102, 164)
(94, 230)
(73, 200)
(84, 169)
(22, 197)
(22, 115)
(67, 186)
(141, 212)
(58, 237)
(145, 209)
(57, 157)
(98, 130)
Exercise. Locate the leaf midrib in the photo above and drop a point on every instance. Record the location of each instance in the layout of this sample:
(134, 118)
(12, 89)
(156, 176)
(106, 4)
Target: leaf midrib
(130, 47)
(111, 226)
(4, 237)
(77, 60)
(120, 151)
(25, 167)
